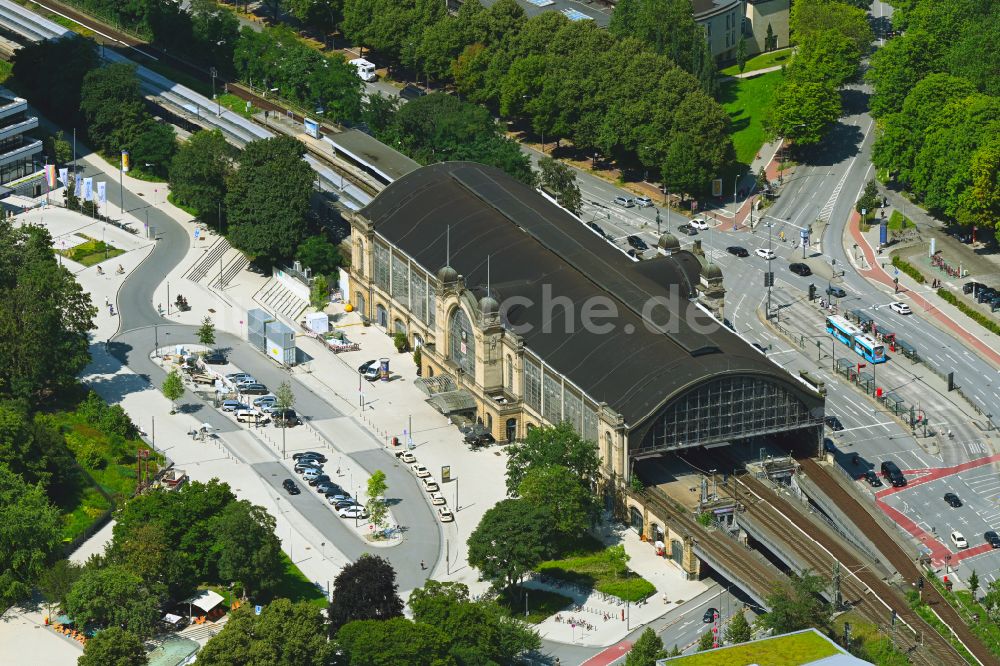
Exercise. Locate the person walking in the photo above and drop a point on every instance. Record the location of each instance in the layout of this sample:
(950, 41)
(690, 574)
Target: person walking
(423, 566)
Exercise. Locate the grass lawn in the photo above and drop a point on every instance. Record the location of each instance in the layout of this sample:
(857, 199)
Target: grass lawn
(746, 101)
(588, 566)
(763, 61)
(792, 650)
(5, 70)
(187, 209)
(92, 252)
(541, 603)
(238, 105)
(296, 587)
(90, 506)
(898, 221)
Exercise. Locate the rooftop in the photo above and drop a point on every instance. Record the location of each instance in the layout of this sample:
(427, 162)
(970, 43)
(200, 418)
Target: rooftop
(801, 648)
(392, 164)
(625, 332)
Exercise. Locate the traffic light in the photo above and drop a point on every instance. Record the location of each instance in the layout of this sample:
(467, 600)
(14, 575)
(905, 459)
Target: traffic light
(812, 292)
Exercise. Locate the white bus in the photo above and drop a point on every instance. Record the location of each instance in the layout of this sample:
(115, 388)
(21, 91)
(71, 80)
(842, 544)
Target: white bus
(366, 70)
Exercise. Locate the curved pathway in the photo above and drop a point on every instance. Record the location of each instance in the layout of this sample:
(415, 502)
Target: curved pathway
(140, 325)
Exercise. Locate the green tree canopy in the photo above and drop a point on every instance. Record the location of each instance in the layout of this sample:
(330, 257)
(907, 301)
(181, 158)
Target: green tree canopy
(35, 449)
(825, 57)
(44, 316)
(512, 538)
(739, 630)
(802, 112)
(113, 596)
(198, 174)
(206, 332)
(284, 634)
(560, 179)
(113, 646)
(247, 548)
(394, 641)
(646, 650)
(562, 493)
(798, 606)
(364, 590)
(29, 531)
(897, 67)
(552, 445)
(57, 581)
(173, 386)
(112, 106)
(320, 255)
(268, 199)
(810, 17)
(51, 73)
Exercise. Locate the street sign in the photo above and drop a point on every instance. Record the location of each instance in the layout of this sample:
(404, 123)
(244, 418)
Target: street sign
(197, 233)
(445, 473)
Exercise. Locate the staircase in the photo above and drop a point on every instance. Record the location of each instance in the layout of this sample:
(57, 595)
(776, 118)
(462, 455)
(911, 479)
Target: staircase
(211, 258)
(279, 300)
(229, 271)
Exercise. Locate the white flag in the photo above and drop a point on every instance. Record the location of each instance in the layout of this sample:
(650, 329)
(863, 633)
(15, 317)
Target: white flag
(77, 187)
(102, 192)
(64, 176)
(88, 189)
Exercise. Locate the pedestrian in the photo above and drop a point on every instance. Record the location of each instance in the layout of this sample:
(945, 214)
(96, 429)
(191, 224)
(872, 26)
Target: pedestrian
(107, 303)
(422, 565)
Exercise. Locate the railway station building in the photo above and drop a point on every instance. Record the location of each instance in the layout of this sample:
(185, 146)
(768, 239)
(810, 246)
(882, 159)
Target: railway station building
(526, 317)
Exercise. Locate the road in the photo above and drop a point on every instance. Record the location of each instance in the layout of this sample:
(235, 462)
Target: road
(140, 325)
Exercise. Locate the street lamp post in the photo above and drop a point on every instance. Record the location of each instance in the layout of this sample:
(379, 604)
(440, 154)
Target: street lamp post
(768, 280)
(215, 73)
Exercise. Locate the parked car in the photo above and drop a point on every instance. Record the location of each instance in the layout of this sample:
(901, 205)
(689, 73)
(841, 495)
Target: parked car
(326, 486)
(637, 243)
(972, 287)
(445, 515)
(312, 473)
(709, 615)
(959, 540)
(344, 503)
(214, 358)
(478, 439)
(372, 373)
(245, 379)
(303, 467)
(952, 500)
(430, 485)
(285, 418)
(265, 400)
(315, 455)
(408, 457)
(234, 377)
(984, 295)
(316, 480)
(992, 539)
(411, 92)
(800, 269)
(765, 253)
(253, 389)
(420, 471)
(901, 308)
(353, 512)
(837, 292)
(290, 487)
(737, 251)
(872, 478)
(687, 230)
(363, 368)
(643, 202)
(699, 224)
(251, 416)
(627, 202)
(597, 229)
(233, 405)
(833, 423)
(437, 499)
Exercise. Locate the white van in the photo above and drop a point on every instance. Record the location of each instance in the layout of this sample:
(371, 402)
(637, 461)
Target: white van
(366, 70)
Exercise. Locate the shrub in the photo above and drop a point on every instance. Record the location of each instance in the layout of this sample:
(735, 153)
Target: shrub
(115, 421)
(91, 458)
(92, 408)
(981, 318)
(909, 269)
(705, 518)
(399, 339)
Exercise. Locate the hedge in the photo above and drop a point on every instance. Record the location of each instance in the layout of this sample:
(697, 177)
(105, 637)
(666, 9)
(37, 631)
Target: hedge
(909, 269)
(983, 319)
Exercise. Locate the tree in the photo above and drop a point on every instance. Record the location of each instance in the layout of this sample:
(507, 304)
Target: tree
(706, 641)
(552, 445)
(57, 581)
(319, 292)
(58, 149)
(29, 529)
(51, 73)
(646, 650)
(376, 499)
(498, 638)
(173, 388)
(34, 448)
(741, 54)
(113, 596)
(512, 538)
(560, 179)
(379, 110)
(45, 317)
(562, 493)
(284, 634)
(206, 332)
(214, 32)
(322, 14)
(980, 203)
(798, 606)
(268, 199)
(394, 641)
(198, 174)
(869, 200)
(802, 112)
(153, 145)
(113, 646)
(739, 630)
(247, 550)
(770, 42)
(112, 106)
(320, 255)
(973, 583)
(364, 590)
(825, 57)
(809, 17)
(898, 66)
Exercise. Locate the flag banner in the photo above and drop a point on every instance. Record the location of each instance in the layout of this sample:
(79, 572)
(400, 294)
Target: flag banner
(102, 192)
(88, 189)
(50, 175)
(64, 176)
(125, 161)
(77, 187)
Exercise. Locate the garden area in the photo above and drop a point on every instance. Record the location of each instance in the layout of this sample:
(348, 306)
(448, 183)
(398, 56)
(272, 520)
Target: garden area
(762, 61)
(540, 604)
(899, 222)
(799, 648)
(746, 101)
(605, 569)
(91, 252)
(294, 586)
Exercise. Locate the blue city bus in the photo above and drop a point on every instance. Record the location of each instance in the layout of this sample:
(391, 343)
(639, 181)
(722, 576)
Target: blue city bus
(872, 351)
(842, 329)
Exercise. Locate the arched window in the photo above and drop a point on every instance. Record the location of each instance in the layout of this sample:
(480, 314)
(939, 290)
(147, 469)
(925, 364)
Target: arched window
(461, 347)
(398, 326)
(381, 316)
(360, 261)
(510, 373)
(607, 450)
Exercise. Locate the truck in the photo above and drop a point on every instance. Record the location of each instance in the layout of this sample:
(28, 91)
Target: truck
(366, 70)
